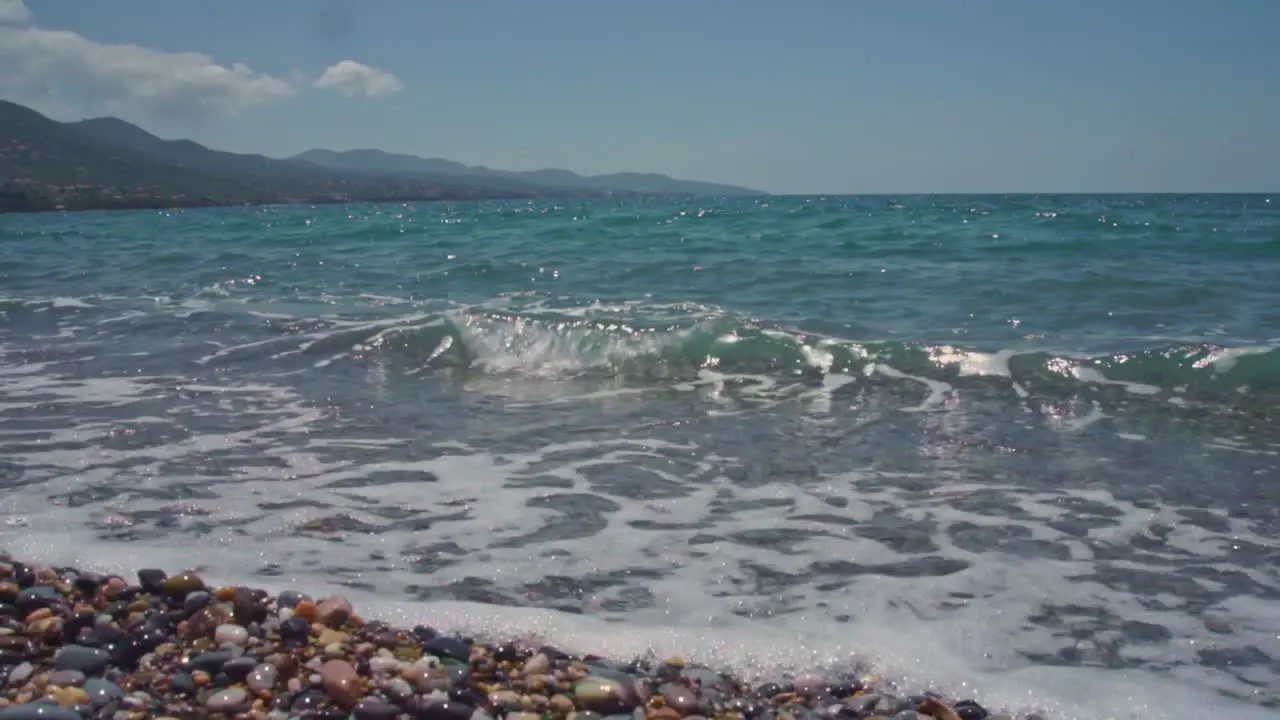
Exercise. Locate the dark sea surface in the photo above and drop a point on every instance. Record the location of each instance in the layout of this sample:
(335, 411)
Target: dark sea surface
(1025, 446)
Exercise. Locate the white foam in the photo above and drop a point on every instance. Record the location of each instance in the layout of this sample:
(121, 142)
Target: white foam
(938, 653)
(827, 585)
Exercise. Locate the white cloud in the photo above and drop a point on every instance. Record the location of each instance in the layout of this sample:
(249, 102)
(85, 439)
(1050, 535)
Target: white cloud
(14, 12)
(50, 65)
(350, 78)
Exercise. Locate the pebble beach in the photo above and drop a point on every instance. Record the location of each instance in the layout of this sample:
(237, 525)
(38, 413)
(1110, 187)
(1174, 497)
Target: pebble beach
(77, 645)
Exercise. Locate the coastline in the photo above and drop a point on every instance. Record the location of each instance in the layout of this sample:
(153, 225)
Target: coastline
(75, 644)
(172, 204)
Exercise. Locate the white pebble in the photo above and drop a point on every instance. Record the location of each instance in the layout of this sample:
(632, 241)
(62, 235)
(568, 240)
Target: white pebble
(230, 635)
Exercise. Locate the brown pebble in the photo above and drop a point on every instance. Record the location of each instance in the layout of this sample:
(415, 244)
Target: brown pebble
(179, 586)
(664, 713)
(561, 705)
(334, 611)
(68, 697)
(200, 678)
(329, 637)
(226, 593)
(342, 682)
(113, 587)
(47, 628)
(204, 623)
(40, 614)
(937, 709)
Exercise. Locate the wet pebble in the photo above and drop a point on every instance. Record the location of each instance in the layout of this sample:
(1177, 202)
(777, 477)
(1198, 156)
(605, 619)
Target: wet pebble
(101, 691)
(170, 646)
(341, 682)
(21, 673)
(88, 660)
(448, 647)
(372, 709)
(228, 701)
(38, 711)
(230, 635)
(65, 678)
(262, 677)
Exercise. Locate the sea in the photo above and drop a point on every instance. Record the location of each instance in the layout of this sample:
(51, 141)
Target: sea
(1023, 449)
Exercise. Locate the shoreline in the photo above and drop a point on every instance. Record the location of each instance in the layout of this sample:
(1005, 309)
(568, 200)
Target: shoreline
(159, 204)
(75, 644)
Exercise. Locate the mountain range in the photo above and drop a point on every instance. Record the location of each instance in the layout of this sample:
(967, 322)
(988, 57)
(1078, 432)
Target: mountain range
(106, 163)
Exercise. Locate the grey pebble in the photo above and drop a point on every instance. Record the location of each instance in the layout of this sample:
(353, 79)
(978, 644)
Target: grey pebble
(263, 677)
(372, 709)
(38, 711)
(90, 661)
(101, 691)
(183, 683)
(212, 662)
(67, 678)
(138, 700)
(680, 698)
(291, 598)
(37, 597)
(399, 690)
(230, 635)
(195, 602)
(21, 674)
(228, 700)
(239, 668)
(709, 679)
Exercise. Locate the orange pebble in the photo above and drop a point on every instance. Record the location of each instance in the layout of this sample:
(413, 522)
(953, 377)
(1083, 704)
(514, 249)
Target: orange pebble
(40, 614)
(225, 594)
(305, 609)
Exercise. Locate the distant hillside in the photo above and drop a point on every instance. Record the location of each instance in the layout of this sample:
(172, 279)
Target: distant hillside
(379, 162)
(108, 163)
(184, 153)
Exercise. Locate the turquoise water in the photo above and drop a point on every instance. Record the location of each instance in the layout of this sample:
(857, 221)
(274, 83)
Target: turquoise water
(1020, 443)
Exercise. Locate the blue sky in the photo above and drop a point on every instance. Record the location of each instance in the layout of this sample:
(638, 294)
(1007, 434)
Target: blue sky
(813, 96)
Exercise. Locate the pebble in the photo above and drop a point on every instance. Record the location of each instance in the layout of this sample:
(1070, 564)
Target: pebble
(176, 647)
(38, 711)
(88, 660)
(371, 709)
(341, 681)
(230, 635)
(21, 673)
(180, 586)
(228, 701)
(101, 691)
(262, 677)
(66, 678)
(333, 611)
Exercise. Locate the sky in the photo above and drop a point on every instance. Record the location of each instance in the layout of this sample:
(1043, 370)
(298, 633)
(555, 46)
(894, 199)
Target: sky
(803, 97)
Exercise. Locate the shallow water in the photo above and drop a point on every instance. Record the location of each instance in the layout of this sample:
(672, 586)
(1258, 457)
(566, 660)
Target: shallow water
(1022, 446)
